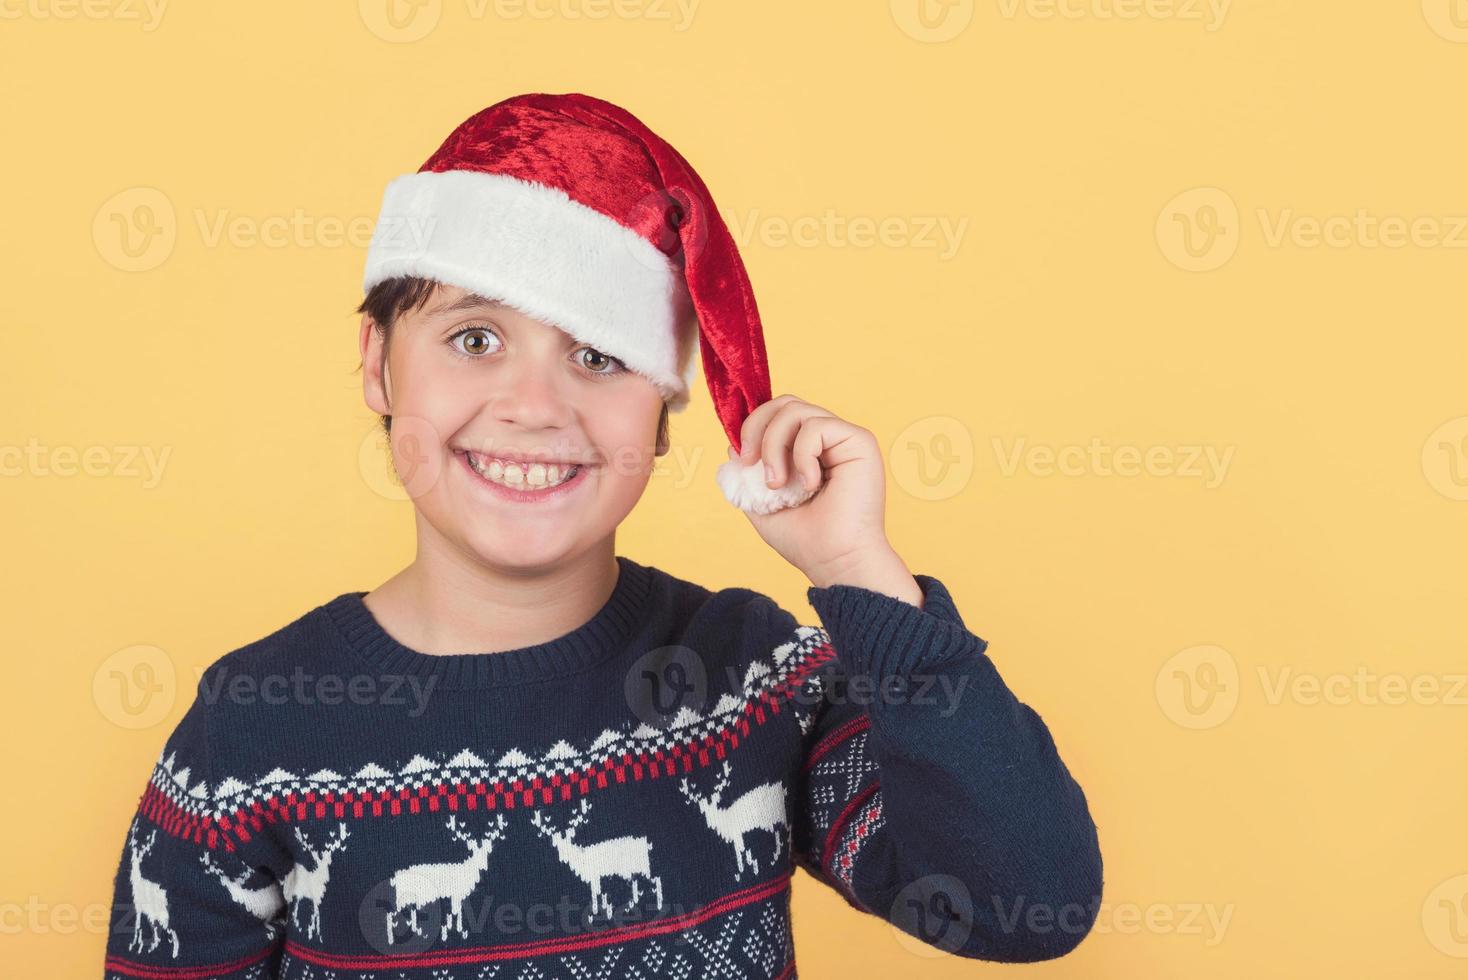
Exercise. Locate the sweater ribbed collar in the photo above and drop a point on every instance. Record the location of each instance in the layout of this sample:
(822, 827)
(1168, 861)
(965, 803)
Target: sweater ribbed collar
(596, 640)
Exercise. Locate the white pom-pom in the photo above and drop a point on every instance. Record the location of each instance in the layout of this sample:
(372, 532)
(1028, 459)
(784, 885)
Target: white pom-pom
(744, 487)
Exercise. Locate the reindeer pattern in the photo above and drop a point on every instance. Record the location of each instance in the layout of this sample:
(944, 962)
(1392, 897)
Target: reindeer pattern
(762, 808)
(303, 885)
(628, 858)
(628, 862)
(610, 843)
(265, 903)
(150, 900)
(421, 885)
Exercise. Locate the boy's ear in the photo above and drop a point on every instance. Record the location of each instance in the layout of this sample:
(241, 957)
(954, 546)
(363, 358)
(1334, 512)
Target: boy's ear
(376, 379)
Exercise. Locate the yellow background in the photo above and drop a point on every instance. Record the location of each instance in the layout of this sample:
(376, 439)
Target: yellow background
(1087, 303)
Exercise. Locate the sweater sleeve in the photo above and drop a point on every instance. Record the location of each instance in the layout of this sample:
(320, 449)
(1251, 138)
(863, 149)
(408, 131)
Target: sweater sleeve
(930, 796)
(184, 903)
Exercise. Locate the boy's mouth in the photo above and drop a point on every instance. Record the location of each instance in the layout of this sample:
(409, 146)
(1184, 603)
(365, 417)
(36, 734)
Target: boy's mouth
(524, 477)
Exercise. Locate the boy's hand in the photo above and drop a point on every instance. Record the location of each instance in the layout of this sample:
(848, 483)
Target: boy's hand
(837, 536)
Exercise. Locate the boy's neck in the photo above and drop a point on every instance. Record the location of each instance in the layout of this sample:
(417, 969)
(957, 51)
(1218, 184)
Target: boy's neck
(439, 606)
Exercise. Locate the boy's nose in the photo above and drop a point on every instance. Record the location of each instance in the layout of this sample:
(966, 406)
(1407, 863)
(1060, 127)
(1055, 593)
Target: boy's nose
(533, 399)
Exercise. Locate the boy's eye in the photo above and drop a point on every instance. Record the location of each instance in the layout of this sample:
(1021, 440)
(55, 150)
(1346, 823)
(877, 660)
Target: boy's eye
(476, 341)
(597, 362)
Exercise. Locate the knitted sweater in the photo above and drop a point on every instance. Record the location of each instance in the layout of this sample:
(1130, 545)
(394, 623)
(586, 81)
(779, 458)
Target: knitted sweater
(628, 800)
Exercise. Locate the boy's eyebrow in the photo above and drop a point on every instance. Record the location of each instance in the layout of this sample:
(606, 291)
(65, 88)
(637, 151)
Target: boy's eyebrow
(468, 301)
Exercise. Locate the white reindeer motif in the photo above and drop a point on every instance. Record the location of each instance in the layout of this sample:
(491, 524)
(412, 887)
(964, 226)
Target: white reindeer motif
(629, 858)
(150, 901)
(762, 808)
(264, 903)
(423, 884)
(303, 885)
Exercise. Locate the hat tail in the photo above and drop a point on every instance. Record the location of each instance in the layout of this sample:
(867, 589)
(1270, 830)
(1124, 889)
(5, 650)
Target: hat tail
(731, 336)
(744, 486)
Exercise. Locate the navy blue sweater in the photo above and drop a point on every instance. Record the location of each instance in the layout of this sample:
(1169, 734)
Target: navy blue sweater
(628, 800)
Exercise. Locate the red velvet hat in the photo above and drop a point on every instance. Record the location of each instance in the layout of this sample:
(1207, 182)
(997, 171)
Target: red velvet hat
(569, 209)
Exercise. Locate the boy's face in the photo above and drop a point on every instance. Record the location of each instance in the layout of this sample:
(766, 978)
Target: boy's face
(479, 393)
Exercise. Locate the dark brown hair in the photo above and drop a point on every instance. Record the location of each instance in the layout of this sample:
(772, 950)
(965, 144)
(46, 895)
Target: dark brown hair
(391, 298)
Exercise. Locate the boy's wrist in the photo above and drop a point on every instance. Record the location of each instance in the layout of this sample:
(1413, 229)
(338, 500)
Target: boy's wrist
(879, 569)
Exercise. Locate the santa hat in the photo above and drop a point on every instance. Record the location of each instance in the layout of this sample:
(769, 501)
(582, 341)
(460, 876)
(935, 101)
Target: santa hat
(570, 210)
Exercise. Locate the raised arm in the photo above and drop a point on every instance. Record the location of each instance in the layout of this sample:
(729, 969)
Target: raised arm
(931, 796)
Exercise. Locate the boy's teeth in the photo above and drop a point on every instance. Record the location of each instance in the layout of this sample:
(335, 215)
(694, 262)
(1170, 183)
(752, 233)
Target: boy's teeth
(535, 475)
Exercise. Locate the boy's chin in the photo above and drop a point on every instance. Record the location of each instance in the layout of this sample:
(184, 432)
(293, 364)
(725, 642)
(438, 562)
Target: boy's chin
(520, 551)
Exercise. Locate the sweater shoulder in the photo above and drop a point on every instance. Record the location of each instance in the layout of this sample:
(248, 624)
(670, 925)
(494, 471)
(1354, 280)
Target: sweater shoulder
(305, 639)
(224, 724)
(750, 648)
(236, 697)
(736, 618)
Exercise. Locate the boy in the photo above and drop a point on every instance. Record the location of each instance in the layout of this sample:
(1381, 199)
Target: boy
(622, 782)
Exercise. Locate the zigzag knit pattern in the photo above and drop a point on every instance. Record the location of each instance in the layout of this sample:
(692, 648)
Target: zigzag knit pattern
(629, 800)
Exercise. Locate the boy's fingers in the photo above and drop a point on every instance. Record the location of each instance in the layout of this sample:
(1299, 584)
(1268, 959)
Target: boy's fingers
(752, 431)
(778, 442)
(807, 453)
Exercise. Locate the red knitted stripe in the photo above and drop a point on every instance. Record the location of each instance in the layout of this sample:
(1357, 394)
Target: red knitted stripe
(542, 947)
(843, 863)
(131, 969)
(836, 736)
(679, 759)
(839, 824)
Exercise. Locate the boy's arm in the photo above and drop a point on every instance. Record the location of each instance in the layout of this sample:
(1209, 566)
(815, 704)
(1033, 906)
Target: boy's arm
(930, 795)
(182, 902)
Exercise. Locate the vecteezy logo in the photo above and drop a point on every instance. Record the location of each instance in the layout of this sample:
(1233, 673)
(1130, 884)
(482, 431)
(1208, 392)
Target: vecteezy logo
(400, 21)
(1198, 230)
(676, 220)
(933, 458)
(405, 465)
(413, 457)
(1445, 916)
(1199, 687)
(665, 681)
(936, 909)
(375, 465)
(1447, 18)
(134, 687)
(135, 230)
(1445, 459)
(932, 21)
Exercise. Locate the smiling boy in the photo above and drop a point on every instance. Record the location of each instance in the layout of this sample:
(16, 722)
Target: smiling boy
(620, 776)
